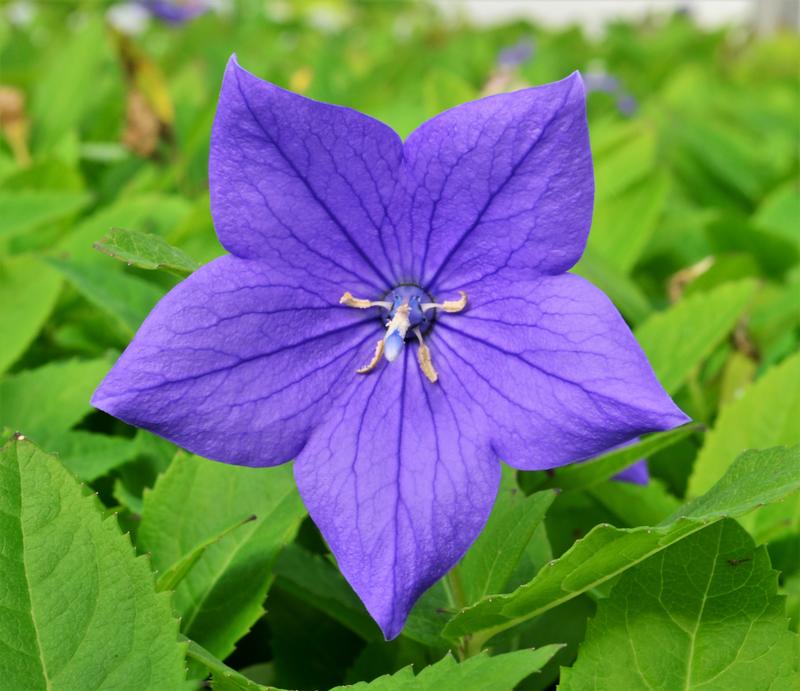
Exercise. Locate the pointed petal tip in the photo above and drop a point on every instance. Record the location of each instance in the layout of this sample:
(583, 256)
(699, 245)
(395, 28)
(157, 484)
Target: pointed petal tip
(99, 399)
(390, 619)
(392, 627)
(672, 416)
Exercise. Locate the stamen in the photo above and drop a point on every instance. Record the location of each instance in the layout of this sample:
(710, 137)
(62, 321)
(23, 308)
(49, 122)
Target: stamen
(424, 359)
(375, 359)
(359, 303)
(403, 313)
(451, 306)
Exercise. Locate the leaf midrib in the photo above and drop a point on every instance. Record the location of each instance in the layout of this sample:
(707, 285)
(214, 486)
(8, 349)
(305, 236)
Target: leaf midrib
(217, 577)
(693, 634)
(42, 662)
(491, 631)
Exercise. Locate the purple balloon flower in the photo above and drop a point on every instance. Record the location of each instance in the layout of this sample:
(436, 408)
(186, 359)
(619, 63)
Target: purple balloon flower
(638, 473)
(516, 54)
(447, 255)
(176, 11)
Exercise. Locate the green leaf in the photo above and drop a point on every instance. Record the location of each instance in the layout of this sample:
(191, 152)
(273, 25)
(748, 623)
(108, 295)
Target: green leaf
(146, 251)
(28, 292)
(766, 414)
(224, 678)
(478, 673)
(79, 609)
(443, 89)
(624, 293)
(724, 155)
(146, 213)
(755, 478)
(489, 563)
(21, 212)
(592, 472)
(221, 596)
(634, 505)
(316, 580)
(780, 210)
(703, 614)
(678, 340)
(44, 403)
(170, 579)
(624, 224)
(731, 233)
(768, 475)
(128, 299)
(90, 455)
(68, 86)
(623, 157)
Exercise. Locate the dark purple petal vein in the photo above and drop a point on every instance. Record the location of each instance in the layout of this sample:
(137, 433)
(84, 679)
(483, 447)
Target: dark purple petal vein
(300, 184)
(400, 482)
(555, 369)
(237, 363)
(499, 186)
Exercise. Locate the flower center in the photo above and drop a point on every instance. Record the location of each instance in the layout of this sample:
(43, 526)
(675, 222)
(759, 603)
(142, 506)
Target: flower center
(405, 310)
(404, 317)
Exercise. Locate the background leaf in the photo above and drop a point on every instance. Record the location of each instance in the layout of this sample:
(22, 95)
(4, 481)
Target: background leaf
(315, 579)
(28, 292)
(22, 212)
(45, 402)
(146, 251)
(128, 299)
(678, 340)
(624, 224)
(491, 561)
(719, 625)
(766, 414)
(596, 470)
(79, 609)
(221, 597)
(755, 478)
(480, 673)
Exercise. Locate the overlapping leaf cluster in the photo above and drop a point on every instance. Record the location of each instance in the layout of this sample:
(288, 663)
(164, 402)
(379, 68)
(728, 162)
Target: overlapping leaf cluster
(691, 582)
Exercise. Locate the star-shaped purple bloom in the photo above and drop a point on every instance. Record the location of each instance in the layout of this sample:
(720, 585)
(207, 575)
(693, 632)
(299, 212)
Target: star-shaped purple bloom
(342, 236)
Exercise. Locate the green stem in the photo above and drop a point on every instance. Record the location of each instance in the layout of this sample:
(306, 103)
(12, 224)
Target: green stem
(468, 645)
(454, 588)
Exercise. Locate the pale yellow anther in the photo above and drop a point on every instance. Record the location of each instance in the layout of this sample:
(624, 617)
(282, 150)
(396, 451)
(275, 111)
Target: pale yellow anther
(451, 306)
(350, 301)
(359, 303)
(375, 358)
(455, 305)
(424, 359)
(398, 324)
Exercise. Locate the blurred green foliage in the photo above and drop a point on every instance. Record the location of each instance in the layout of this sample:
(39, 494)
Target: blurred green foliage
(696, 238)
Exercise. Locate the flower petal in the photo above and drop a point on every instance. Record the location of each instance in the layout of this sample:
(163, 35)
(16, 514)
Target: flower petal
(399, 485)
(301, 184)
(638, 473)
(555, 368)
(237, 363)
(502, 185)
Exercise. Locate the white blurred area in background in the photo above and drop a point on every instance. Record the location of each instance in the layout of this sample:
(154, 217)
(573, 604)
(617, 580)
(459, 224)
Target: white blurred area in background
(765, 16)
